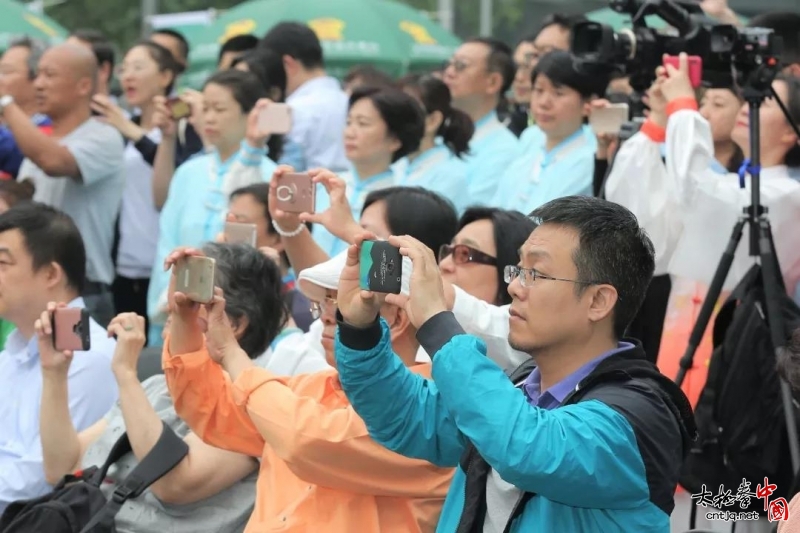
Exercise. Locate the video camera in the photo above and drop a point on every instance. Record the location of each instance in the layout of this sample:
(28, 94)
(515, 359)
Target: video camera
(731, 55)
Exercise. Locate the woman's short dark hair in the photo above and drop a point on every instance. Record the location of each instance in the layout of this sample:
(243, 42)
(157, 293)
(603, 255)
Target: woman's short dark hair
(511, 229)
(561, 67)
(457, 127)
(245, 87)
(404, 117)
(253, 288)
(268, 67)
(164, 59)
(420, 213)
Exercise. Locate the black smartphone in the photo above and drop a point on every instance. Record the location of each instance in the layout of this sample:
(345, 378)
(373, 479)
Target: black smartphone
(381, 267)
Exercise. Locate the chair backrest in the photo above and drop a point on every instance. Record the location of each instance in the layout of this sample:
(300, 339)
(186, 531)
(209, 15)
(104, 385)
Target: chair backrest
(149, 363)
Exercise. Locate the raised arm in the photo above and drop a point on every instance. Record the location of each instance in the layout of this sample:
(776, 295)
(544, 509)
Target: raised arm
(47, 153)
(402, 410)
(75, 395)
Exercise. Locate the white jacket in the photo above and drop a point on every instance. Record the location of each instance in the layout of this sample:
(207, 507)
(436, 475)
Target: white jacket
(690, 211)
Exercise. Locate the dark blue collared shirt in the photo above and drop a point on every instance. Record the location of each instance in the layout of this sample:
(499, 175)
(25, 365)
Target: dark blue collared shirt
(555, 395)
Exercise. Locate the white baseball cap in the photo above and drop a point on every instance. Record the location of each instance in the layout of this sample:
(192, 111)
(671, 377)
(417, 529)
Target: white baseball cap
(315, 281)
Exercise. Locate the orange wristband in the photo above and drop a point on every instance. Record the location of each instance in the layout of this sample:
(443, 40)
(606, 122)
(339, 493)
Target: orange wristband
(684, 102)
(655, 132)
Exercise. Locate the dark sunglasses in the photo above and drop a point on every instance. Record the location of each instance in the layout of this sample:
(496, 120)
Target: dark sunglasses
(466, 254)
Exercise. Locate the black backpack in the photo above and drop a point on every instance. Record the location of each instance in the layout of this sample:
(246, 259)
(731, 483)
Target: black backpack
(740, 419)
(77, 504)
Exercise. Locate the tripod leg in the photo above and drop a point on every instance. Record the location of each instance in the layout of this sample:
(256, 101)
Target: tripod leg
(707, 309)
(773, 287)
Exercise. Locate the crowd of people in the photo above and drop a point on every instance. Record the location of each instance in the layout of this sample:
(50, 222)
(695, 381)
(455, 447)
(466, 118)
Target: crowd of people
(513, 384)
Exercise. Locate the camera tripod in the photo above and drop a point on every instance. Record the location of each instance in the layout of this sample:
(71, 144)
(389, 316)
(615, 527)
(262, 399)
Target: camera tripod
(757, 88)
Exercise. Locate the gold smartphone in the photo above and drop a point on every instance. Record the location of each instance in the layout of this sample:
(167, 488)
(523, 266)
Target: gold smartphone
(194, 277)
(240, 233)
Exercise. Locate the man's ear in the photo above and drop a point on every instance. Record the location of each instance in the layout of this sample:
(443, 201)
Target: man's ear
(397, 319)
(604, 299)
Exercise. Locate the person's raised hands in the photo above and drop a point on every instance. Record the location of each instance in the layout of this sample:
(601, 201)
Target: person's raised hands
(427, 296)
(338, 217)
(677, 83)
(359, 307)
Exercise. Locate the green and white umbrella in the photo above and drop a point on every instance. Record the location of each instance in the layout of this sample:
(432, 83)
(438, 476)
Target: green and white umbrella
(16, 21)
(386, 34)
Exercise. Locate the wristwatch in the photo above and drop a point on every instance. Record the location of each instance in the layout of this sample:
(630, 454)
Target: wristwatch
(5, 101)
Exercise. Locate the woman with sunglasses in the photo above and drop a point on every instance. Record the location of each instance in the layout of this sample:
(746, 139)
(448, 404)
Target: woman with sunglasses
(473, 272)
(488, 239)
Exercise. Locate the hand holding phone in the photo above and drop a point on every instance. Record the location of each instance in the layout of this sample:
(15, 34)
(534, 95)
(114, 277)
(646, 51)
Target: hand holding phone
(71, 330)
(275, 119)
(194, 277)
(296, 193)
(179, 108)
(380, 267)
(239, 233)
(608, 119)
(695, 68)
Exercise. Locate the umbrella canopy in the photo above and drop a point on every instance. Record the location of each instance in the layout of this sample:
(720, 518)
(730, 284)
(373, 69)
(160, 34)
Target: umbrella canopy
(386, 34)
(17, 21)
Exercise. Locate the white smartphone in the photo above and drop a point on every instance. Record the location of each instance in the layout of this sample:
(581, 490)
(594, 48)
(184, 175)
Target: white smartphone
(276, 118)
(608, 119)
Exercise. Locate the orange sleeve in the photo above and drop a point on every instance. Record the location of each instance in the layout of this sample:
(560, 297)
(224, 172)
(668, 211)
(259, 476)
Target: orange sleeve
(653, 131)
(678, 104)
(330, 446)
(203, 396)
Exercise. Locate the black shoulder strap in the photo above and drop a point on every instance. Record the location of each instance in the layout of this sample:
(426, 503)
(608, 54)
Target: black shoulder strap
(165, 455)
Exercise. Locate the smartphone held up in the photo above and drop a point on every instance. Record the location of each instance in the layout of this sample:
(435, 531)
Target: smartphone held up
(695, 68)
(276, 119)
(381, 267)
(71, 330)
(179, 108)
(240, 233)
(609, 119)
(194, 277)
(296, 193)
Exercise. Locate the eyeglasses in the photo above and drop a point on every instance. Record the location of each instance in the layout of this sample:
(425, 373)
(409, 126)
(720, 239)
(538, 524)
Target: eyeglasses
(528, 275)
(459, 65)
(317, 308)
(466, 254)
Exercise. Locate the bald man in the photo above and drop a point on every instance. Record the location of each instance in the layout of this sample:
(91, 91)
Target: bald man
(79, 167)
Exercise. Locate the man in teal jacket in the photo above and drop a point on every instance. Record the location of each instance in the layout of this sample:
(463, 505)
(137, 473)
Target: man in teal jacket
(590, 438)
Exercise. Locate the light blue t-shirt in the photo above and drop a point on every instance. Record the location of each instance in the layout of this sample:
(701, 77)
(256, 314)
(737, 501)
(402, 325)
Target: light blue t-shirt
(437, 170)
(538, 175)
(356, 192)
(195, 213)
(492, 149)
